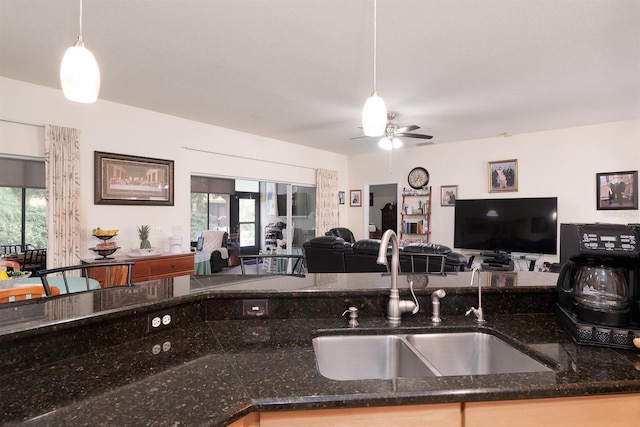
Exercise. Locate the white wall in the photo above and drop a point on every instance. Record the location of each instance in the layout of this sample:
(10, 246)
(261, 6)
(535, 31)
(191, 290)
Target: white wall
(560, 163)
(117, 128)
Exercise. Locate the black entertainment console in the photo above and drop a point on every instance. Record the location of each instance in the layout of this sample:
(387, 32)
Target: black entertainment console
(498, 261)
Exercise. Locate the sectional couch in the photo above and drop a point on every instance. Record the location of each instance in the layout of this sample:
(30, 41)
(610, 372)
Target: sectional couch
(333, 254)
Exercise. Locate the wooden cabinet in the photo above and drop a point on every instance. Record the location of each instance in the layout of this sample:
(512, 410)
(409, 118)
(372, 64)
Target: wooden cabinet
(151, 267)
(588, 411)
(251, 420)
(606, 410)
(389, 217)
(442, 415)
(416, 215)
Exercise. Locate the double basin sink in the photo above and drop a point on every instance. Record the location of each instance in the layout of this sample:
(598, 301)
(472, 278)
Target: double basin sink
(409, 355)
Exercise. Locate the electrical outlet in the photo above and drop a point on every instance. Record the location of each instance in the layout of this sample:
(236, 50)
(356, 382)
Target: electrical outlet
(164, 348)
(255, 308)
(159, 229)
(160, 320)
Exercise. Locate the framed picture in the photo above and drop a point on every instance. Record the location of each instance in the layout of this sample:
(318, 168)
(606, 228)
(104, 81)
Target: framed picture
(131, 180)
(448, 195)
(617, 190)
(502, 279)
(503, 176)
(355, 198)
(341, 197)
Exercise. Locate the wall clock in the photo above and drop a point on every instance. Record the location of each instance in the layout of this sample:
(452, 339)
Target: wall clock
(418, 178)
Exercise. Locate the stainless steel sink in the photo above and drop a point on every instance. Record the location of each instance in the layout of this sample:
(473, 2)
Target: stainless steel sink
(472, 353)
(360, 357)
(356, 357)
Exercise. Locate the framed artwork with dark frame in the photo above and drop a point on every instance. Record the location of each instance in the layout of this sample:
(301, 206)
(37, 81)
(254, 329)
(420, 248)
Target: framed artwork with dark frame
(503, 176)
(355, 198)
(341, 197)
(448, 195)
(132, 180)
(617, 190)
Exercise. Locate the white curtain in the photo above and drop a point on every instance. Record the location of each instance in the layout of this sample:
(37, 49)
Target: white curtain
(62, 162)
(326, 200)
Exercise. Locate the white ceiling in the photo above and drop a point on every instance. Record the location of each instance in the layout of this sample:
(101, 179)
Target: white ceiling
(301, 70)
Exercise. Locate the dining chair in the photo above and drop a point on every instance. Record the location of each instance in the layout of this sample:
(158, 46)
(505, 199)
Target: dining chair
(21, 293)
(34, 260)
(13, 249)
(93, 276)
(7, 263)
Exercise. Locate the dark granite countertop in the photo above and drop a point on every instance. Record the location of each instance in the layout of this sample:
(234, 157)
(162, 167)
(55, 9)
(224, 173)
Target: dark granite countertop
(211, 369)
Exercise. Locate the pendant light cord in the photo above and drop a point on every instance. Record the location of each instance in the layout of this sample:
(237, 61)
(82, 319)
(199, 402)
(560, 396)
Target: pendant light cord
(80, 19)
(375, 45)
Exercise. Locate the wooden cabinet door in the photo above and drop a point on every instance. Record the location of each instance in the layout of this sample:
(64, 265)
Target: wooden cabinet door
(171, 266)
(596, 411)
(251, 420)
(442, 415)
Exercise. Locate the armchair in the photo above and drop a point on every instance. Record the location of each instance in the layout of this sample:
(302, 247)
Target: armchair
(215, 244)
(342, 232)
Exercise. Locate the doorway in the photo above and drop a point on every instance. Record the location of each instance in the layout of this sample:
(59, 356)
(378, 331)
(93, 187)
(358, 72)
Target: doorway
(382, 212)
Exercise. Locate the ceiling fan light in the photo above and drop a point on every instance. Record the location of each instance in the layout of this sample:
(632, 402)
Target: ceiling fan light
(396, 143)
(79, 74)
(374, 116)
(385, 144)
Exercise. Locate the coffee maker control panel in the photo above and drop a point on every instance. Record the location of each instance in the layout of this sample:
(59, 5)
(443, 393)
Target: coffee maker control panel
(599, 240)
(610, 242)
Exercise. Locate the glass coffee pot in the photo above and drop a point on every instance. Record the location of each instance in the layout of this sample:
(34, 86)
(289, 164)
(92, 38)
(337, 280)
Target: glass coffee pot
(601, 288)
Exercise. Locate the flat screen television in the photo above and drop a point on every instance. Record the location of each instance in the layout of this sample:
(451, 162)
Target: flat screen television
(527, 225)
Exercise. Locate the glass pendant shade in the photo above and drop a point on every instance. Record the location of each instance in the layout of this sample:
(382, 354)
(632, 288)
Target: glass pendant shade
(79, 74)
(374, 116)
(390, 144)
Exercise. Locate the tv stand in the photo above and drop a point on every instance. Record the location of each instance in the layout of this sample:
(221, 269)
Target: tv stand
(497, 261)
(502, 261)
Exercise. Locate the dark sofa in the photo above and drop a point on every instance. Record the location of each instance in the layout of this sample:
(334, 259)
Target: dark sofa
(363, 256)
(325, 254)
(332, 254)
(430, 258)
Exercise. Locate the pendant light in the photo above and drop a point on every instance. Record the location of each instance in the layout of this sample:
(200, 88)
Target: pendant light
(79, 72)
(374, 114)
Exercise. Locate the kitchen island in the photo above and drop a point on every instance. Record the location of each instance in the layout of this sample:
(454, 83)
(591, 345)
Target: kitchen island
(215, 366)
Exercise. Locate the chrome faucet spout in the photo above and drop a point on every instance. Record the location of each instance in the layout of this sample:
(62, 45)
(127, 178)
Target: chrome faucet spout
(477, 311)
(396, 307)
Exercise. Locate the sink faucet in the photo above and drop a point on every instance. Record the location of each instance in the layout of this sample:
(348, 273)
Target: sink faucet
(435, 304)
(477, 311)
(396, 307)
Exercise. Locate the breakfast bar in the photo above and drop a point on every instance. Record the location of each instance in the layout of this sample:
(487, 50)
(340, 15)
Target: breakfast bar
(216, 365)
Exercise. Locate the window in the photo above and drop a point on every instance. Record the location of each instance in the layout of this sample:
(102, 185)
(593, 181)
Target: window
(209, 211)
(23, 212)
(210, 204)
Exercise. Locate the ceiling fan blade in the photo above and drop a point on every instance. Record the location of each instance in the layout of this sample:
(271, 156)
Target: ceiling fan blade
(414, 135)
(358, 137)
(407, 128)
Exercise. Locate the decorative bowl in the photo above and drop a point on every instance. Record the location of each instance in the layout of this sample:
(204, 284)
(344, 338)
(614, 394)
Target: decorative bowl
(105, 252)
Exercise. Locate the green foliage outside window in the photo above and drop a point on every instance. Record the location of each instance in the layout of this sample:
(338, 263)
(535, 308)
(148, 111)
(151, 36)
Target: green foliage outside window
(35, 226)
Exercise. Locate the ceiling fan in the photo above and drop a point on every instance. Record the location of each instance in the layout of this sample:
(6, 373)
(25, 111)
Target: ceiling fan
(392, 132)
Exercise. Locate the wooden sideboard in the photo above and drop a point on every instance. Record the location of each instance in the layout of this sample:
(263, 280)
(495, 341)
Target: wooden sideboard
(149, 267)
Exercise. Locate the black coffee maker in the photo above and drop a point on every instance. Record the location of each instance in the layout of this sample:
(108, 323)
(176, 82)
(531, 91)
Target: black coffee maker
(599, 283)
